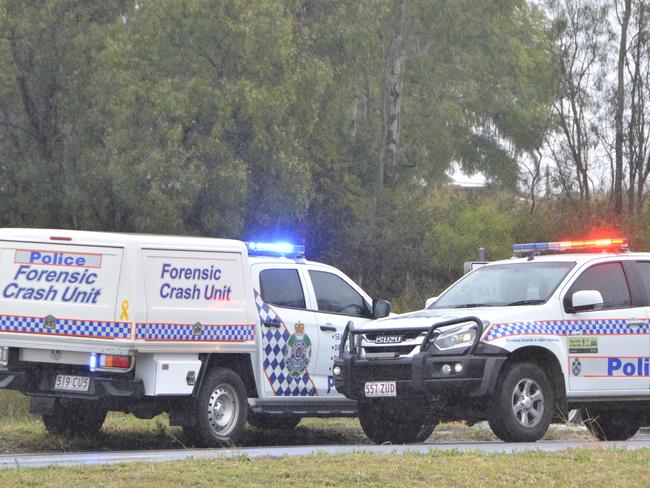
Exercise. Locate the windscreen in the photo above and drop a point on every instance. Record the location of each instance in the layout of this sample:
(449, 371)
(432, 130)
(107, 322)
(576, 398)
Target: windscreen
(500, 285)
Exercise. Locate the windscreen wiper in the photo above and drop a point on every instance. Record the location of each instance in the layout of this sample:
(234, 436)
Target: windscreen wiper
(473, 305)
(526, 302)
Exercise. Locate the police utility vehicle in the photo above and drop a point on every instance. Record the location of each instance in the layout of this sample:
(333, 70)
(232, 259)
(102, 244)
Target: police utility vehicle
(205, 329)
(518, 343)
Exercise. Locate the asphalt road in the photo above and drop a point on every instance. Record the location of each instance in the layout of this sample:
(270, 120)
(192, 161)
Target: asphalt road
(93, 458)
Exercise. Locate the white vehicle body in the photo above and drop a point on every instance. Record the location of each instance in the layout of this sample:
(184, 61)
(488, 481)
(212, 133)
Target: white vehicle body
(134, 322)
(596, 356)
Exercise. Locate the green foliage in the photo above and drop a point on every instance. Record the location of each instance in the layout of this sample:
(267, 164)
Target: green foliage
(13, 405)
(265, 119)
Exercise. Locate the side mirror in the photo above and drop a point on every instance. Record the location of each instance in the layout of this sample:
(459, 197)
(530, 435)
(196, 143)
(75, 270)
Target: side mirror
(430, 301)
(380, 308)
(584, 300)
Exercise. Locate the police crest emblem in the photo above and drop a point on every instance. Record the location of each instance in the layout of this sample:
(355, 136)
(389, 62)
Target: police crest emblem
(576, 367)
(298, 351)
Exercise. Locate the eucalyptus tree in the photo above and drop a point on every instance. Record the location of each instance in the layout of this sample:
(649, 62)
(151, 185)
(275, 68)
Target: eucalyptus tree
(47, 132)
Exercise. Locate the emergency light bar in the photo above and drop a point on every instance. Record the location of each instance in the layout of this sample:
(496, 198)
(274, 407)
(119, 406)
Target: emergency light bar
(275, 249)
(614, 244)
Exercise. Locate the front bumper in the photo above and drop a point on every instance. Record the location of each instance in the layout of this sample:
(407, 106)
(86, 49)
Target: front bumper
(421, 375)
(470, 375)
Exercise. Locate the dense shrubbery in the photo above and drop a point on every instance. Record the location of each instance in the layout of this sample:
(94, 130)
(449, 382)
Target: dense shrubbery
(332, 123)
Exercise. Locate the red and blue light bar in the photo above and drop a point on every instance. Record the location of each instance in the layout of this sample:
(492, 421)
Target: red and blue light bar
(591, 245)
(276, 249)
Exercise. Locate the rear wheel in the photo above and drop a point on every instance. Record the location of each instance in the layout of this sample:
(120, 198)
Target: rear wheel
(75, 418)
(386, 421)
(522, 405)
(220, 410)
(266, 421)
(611, 425)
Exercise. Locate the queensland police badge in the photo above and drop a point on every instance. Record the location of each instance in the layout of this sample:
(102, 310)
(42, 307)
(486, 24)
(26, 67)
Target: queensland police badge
(576, 367)
(298, 351)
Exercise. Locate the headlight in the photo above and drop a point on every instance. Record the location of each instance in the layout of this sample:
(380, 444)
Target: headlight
(463, 336)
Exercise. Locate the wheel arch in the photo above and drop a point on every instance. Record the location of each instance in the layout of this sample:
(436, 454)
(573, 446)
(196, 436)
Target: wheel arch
(239, 363)
(550, 364)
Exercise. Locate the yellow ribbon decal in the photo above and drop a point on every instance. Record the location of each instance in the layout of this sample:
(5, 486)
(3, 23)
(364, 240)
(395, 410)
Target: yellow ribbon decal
(125, 310)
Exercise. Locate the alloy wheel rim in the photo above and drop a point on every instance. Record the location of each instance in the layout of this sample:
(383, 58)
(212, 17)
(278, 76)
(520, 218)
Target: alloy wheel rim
(528, 403)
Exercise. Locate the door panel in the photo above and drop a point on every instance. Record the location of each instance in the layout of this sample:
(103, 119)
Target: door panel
(609, 349)
(337, 303)
(289, 345)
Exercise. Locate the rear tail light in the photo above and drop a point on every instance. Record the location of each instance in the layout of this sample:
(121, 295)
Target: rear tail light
(110, 361)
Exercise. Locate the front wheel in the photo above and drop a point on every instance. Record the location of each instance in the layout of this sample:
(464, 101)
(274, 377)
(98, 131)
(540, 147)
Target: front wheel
(425, 431)
(611, 425)
(522, 405)
(220, 410)
(386, 421)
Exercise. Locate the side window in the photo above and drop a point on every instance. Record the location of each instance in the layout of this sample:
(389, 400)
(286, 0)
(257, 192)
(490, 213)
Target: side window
(282, 287)
(644, 270)
(609, 280)
(334, 295)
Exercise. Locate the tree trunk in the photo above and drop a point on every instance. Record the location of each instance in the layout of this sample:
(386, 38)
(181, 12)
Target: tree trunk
(390, 154)
(620, 101)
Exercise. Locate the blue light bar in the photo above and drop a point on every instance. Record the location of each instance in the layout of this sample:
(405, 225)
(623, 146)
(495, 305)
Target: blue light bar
(275, 249)
(531, 247)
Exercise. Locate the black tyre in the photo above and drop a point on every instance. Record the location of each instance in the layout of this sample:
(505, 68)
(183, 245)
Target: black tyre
(522, 405)
(425, 431)
(280, 422)
(75, 418)
(220, 410)
(611, 425)
(385, 421)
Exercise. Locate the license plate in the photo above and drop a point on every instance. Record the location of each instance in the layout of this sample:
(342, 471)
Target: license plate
(71, 383)
(381, 389)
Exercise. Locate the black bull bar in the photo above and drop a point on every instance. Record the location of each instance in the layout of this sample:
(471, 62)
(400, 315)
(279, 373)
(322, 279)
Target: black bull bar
(350, 333)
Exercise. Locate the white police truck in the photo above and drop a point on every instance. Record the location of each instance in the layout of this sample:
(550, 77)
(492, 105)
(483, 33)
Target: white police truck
(518, 342)
(213, 331)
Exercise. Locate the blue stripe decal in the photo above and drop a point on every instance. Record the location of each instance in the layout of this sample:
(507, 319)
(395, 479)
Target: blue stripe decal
(564, 328)
(66, 327)
(202, 333)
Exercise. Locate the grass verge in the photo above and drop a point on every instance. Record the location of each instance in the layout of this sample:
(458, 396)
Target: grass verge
(125, 432)
(13, 405)
(584, 467)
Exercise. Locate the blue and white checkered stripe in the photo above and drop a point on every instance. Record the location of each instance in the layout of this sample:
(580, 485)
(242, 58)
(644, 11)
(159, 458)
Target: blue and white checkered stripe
(66, 327)
(274, 341)
(187, 332)
(564, 327)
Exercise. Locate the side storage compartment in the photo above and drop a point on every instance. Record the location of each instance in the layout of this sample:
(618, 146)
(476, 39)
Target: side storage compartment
(168, 374)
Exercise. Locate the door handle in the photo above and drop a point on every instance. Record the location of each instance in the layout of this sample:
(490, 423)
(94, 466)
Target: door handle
(636, 323)
(272, 324)
(328, 328)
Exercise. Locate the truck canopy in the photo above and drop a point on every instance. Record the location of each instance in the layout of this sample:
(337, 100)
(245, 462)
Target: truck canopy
(79, 290)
